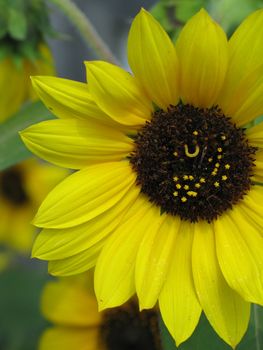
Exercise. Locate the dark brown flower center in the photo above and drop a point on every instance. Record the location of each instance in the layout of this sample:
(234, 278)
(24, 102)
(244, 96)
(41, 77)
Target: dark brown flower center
(126, 328)
(193, 162)
(12, 187)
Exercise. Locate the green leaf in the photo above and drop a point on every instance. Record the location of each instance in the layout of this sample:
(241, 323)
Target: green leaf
(3, 18)
(160, 12)
(172, 14)
(17, 22)
(21, 323)
(230, 13)
(28, 51)
(258, 120)
(12, 149)
(5, 50)
(184, 9)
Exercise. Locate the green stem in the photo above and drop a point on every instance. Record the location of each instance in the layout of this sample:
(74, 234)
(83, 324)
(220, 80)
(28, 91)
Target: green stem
(86, 29)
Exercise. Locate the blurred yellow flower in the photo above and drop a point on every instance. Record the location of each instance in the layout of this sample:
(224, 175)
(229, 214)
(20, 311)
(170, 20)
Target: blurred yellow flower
(71, 305)
(15, 80)
(168, 199)
(22, 188)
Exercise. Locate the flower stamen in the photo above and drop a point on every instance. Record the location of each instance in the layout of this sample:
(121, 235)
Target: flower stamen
(194, 154)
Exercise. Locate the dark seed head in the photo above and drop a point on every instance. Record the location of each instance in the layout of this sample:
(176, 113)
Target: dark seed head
(193, 162)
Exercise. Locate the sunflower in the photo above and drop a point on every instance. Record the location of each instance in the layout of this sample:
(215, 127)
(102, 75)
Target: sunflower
(17, 79)
(22, 188)
(168, 199)
(71, 305)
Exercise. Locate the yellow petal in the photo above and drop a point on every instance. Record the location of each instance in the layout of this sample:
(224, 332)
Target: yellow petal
(13, 84)
(67, 98)
(154, 259)
(243, 86)
(114, 273)
(118, 94)
(258, 171)
(77, 263)
(244, 104)
(227, 312)
(153, 60)
(255, 135)
(20, 234)
(40, 178)
(44, 65)
(69, 304)
(239, 249)
(246, 46)
(203, 59)
(70, 338)
(84, 195)
(252, 217)
(37, 180)
(178, 302)
(55, 244)
(6, 214)
(74, 144)
(251, 105)
(252, 207)
(15, 229)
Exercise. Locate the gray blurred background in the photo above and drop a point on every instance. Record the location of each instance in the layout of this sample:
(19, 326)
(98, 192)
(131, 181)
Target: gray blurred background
(111, 18)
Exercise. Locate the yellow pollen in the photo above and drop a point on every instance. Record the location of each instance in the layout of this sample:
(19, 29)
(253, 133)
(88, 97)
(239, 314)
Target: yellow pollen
(223, 137)
(214, 173)
(219, 149)
(178, 186)
(192, 193)
(210, 160)
(186, 187)
(185, 177)
(191, 177)
(197, 185)
(175, 178)
(195, 133)
(219, 156)
(175, 193)
(191, 155)
(216, 184)
(217, 165)
(183, 199)
(224, 177)
(175, 153)
(202, 180)
(227, 166)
